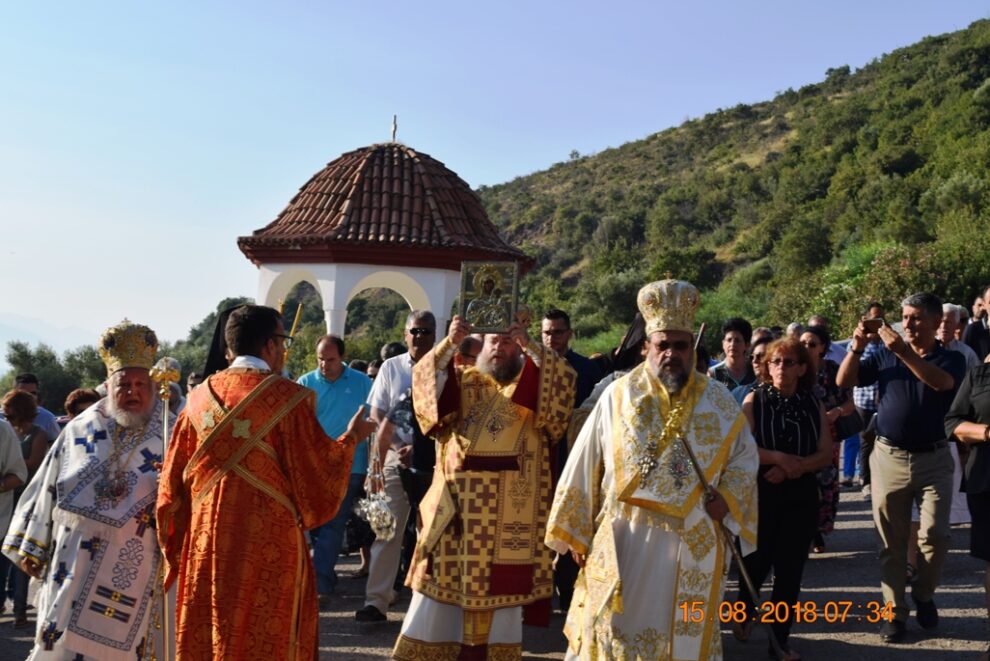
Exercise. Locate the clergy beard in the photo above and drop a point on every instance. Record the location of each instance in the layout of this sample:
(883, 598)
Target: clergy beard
(503, 373)
(675, 379)
(128, 419)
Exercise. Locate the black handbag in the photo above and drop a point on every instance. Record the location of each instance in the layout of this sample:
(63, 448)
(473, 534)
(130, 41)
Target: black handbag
(848, 425)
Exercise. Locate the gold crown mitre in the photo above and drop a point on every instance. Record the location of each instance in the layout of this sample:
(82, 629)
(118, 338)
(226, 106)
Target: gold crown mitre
(128, 345)
(668, 305)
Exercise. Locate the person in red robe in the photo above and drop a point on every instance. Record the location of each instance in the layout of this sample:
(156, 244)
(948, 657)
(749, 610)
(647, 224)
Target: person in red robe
(247, 470)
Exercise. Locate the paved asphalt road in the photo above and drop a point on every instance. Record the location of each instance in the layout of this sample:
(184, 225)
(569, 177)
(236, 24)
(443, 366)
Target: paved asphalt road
(848, 571)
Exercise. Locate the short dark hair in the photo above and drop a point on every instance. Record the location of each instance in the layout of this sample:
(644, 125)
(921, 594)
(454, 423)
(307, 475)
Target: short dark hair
(464, 348)
(556, 314)
(873, 304)
(80, 399)
(195, 375)
(336, 339)
(739, 325)
(392, 349)
(249, 328)
(760, 341)
(822, 334)
(928, 303)
(19, 407)
(359, 365)
(25, 379)
(376, 363)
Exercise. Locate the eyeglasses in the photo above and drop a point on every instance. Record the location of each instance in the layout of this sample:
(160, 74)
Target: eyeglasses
(679, 345)
(417, 331)
(757, 357)
(786, 362)
(286, 340)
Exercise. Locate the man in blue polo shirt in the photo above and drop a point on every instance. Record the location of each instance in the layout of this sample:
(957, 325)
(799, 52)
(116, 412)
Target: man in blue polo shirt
(917, 380)
(340, 392)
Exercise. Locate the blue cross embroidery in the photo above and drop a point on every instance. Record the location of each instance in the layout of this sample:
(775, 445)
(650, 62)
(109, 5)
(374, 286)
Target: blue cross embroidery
(49, 635)
(150, 458)
(145, 518)
(92, 545)
(61, 574)
(91, 437)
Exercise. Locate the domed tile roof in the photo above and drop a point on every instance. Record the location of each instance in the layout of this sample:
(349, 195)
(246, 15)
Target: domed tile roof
(384, 204)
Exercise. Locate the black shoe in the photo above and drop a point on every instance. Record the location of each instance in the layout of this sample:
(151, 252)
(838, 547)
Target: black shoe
(370, 614)
(926, 613)
(892, 631)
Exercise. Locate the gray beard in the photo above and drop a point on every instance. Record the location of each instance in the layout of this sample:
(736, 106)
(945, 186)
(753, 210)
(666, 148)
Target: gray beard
(504, 373)
(673, 382)
(128, 419)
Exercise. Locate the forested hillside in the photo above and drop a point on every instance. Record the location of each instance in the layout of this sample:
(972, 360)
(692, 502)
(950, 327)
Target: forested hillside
(866, 185)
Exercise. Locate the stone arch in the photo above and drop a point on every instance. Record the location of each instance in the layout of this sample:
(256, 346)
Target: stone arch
(276, 284)
(422, 288)
(409, 289)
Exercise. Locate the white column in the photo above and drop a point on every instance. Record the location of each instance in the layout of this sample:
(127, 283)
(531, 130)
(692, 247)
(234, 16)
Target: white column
(336, 319)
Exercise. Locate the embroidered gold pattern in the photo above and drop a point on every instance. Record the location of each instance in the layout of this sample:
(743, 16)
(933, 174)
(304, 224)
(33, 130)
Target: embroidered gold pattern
(570, 511)
(700, 539)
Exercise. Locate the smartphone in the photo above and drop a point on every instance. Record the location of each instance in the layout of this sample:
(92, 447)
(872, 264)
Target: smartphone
(872, 325)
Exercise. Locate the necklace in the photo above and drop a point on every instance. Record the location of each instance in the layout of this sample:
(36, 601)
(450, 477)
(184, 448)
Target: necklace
(787, 404)
(115, 483)
(650, 457)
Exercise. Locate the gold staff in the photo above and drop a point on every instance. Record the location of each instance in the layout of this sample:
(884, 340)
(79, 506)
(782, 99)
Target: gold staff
(727, 538)
(165, 373)
(295, 327)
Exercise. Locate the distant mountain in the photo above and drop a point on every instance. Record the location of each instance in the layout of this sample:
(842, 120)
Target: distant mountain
(865, 185)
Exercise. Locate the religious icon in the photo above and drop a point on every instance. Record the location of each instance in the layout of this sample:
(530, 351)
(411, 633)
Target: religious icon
(489, 295)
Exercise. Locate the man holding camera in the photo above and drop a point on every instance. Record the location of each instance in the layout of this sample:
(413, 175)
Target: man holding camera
(917, 379)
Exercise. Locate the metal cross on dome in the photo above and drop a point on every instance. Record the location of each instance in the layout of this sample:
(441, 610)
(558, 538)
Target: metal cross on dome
(395, 126)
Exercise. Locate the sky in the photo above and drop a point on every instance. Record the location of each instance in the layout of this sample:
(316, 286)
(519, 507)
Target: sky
(138, 140)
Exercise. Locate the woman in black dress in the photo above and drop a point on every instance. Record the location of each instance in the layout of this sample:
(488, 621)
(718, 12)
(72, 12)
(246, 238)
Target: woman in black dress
(969, 421)
(794, 441)
(838, 403)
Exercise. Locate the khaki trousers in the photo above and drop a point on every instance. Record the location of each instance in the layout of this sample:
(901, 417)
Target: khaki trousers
(384, 563)
(899, 479)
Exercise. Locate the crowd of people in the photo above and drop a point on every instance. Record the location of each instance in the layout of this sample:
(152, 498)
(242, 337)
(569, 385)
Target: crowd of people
(520, 475)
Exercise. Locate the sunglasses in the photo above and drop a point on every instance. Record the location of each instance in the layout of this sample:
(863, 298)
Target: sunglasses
(757, 357)
(786, 362)
(679, 345)
(418, 331)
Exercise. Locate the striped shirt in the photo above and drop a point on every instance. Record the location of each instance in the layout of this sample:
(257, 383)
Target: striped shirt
(786, 424)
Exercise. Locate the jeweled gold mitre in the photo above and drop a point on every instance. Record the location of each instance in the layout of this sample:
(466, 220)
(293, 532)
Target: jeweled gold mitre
(668, 305)
(128, 345)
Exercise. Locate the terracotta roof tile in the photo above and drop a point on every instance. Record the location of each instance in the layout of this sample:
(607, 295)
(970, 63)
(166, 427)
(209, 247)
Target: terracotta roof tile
(385, 197)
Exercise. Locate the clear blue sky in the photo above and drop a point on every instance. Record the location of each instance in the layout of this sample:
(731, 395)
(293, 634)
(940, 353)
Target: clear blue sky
(139, 139)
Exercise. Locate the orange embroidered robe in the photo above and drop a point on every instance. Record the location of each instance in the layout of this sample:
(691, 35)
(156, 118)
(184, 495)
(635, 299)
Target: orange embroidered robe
(247, 470)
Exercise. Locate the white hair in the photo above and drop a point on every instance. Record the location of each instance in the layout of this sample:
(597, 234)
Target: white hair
(951, 310)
